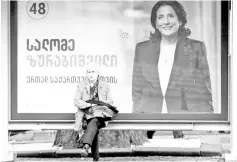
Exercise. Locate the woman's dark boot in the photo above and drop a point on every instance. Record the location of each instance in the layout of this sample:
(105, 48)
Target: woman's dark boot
(150, 134)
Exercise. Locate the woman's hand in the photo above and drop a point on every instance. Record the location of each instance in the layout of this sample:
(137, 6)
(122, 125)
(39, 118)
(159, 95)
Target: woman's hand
(91, 109)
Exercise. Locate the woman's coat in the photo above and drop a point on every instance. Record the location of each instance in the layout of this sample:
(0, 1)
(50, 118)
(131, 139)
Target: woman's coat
(83, 94)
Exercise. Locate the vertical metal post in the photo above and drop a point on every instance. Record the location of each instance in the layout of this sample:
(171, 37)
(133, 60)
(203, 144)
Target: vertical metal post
(5, 155)
(234, 84)
(233, 87)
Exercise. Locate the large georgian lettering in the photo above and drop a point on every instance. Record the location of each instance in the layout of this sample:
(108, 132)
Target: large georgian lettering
(54, 43)
(50, 45)
(38, 47)
(72, 47)
(29, 47)
(45, 42)
(41, 61)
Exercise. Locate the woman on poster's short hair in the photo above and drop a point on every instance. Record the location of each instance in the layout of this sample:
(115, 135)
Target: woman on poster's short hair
(171, 71)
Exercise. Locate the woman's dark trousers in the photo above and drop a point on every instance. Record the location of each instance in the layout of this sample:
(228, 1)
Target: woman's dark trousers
(91, 136)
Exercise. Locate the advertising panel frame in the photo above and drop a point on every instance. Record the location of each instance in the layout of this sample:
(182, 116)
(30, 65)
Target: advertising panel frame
(16, 117)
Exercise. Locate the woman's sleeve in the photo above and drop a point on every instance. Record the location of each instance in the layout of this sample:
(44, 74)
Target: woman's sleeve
(137, 79)
(205, 67)
(78, 102)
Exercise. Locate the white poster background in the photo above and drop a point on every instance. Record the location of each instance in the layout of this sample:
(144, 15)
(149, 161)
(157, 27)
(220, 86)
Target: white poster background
(98, 29)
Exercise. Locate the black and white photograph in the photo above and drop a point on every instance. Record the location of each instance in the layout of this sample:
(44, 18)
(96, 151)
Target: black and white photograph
(155, 65)
(93, 78)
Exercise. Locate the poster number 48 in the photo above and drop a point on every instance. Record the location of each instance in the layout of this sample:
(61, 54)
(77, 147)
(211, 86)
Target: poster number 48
(37, 10)
(40, 9)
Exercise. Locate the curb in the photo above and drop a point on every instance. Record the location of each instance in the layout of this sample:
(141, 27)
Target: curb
(211, 150)
(40, 153)
(166, 151)
(204, 150)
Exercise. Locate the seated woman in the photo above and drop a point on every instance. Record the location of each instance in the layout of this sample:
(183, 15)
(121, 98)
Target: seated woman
(91, 91)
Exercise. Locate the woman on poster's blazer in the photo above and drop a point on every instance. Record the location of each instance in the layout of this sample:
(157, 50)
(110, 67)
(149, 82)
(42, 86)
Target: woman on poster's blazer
(189, 87)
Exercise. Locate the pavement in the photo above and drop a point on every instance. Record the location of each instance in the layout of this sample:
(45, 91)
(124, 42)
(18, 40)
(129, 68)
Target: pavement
(207, 143)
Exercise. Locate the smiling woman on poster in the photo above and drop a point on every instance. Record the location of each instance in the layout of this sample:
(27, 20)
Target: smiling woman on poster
(170, 71)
